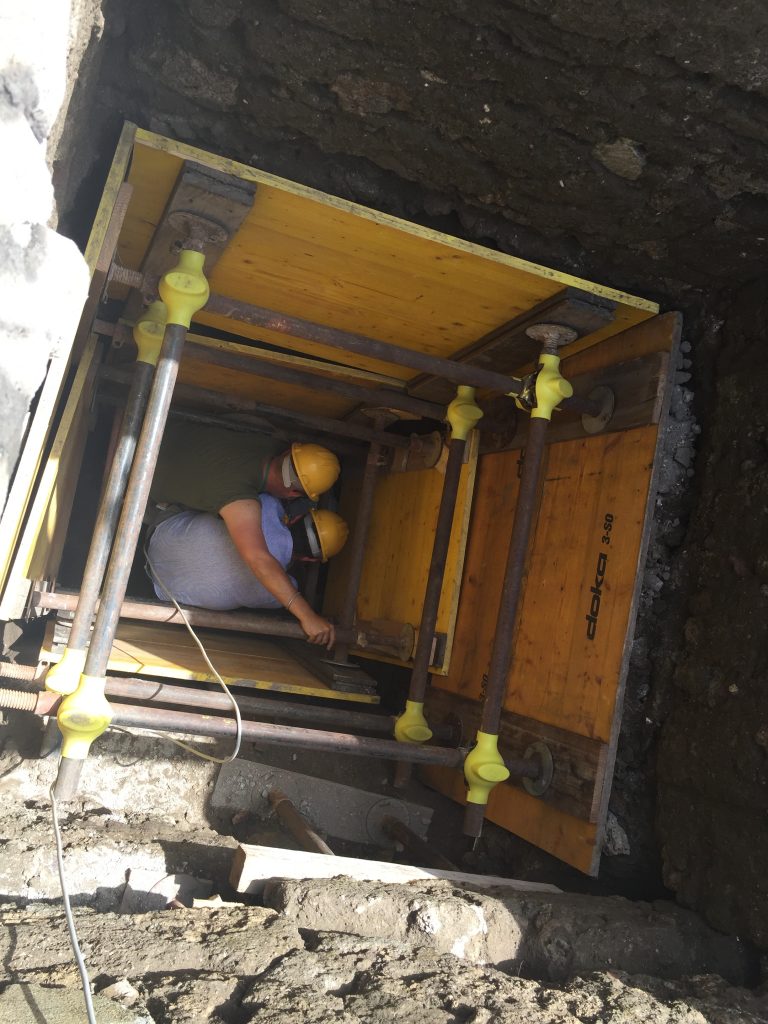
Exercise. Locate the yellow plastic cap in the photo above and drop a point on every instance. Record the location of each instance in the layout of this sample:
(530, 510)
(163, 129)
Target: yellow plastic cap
(463, 413)
(551, 387)
(83, 716)
(65, 675)
(148, 332)
(484, 768)
(317, 468)
(184, 289)
(411, 726)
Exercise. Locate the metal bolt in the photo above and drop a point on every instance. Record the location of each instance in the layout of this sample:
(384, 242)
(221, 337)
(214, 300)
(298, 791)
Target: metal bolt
(551, 336)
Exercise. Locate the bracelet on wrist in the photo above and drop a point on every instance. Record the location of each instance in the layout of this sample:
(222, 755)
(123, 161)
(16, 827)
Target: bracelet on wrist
(296, 594)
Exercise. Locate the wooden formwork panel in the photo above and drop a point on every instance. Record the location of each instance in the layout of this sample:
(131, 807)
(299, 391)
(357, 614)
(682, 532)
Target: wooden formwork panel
(399, 550)
(322, 258)
(582, 582)
(169, 652)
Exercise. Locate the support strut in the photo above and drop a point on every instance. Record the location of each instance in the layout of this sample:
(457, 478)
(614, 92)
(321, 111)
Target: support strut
(148, 334)
(85, 714)
(485, 767)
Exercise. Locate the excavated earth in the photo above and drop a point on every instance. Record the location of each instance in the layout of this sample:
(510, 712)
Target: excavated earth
(615, 141)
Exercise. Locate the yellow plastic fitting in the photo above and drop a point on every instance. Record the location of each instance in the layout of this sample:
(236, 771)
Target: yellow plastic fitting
(411, 726)
(463, 413)
(551, 387)
(484, 768)
(64, 676)
(184, 289)
(83, 716)
(148, 332)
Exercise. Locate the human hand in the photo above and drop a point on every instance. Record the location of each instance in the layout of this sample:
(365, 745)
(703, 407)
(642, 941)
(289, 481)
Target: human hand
(319, 630)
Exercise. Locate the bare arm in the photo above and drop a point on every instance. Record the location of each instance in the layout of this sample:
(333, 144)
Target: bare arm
(243, 521)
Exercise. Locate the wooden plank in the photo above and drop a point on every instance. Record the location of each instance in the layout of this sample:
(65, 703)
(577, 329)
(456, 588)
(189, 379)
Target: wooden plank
(399, 549)
(169, 652)
(638, 386)
(322, 258)
(35, 543)
(254, 866)
(565, 837)
(577, 782)
(508, 348)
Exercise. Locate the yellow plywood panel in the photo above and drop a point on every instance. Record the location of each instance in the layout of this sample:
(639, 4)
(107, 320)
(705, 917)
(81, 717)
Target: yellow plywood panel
(324, 259)
(197, 371)
(560, 676)
(399, 547)
(169, 652)
(568, 838)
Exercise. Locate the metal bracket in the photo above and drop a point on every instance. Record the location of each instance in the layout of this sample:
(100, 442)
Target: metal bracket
(539, 752)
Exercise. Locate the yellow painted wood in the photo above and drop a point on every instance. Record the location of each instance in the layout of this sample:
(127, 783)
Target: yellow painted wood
(34, 555)
(29, 464)
(399, 548)
(559, 676)
(290, 396)
(565, 837)
(168, 651)
(324, 259)
(115, 179)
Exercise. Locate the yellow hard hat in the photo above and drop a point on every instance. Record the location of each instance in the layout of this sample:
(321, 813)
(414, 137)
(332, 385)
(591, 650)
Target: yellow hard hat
(331, 532)
(316, 468)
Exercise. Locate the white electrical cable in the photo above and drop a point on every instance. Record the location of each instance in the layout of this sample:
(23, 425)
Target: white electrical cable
(209, 663)
(68, 914)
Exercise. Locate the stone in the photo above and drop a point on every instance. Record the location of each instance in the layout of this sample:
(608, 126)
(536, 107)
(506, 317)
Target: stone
(624, 157)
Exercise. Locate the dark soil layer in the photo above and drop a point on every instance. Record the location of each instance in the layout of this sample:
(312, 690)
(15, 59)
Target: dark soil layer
(617, 141)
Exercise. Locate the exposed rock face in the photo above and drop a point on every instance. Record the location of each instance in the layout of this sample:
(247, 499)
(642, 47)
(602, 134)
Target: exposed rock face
(615, 140)
(43, 279)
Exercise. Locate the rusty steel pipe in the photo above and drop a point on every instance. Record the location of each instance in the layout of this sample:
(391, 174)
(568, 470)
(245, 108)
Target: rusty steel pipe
(295, 327)
(443, 527)
(149, 691)
(164, 720)
(503, 642)
(326, 424)
(124, 548)
(357, 548)
(389, 398)
(149, 611)
(111, 502)
(300, 829)
(128, 528)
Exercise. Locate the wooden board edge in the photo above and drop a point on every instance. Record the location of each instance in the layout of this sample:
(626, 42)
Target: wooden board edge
(648, 525)
(9, 602)
(28, 467)
(185, 152)
(115, 177)
(276, 863)
(321, 366)
(473, 455)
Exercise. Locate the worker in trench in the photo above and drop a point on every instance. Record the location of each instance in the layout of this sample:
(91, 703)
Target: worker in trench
(219, 537)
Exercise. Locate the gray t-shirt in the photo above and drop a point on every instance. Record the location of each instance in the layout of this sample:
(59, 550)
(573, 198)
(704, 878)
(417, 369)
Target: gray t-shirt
(193, 555)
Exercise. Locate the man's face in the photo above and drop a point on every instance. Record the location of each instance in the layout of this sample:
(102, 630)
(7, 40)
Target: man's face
(276, 483)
